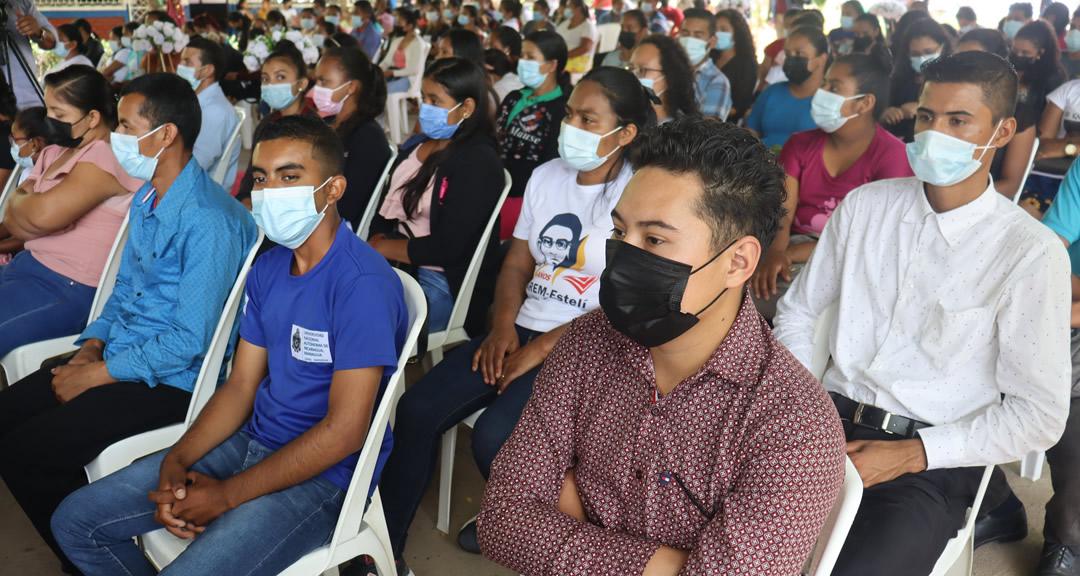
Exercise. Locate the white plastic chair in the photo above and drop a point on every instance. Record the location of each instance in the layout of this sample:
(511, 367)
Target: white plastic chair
(1027, 172)
(126, 451)
(357, 532)
(453, 335)
(24, 360)
(838, 524)
(608, 37)
(1031, 466)
(958, 556)
(363, 230)
(222, 167)
(397, 104)
(9, 187)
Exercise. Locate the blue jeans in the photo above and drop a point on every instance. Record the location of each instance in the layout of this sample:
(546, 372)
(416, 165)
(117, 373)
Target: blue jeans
(94, 526)
(399, 84)
(38, 304)
(440, 300)
(445, 396)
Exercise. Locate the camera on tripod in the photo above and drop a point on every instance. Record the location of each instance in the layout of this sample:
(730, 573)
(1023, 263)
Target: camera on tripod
(9, 46)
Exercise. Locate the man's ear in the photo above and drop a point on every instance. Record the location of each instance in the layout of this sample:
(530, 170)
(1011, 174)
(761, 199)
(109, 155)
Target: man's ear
(1005, 133)
(335, 189)
(169, 134)
(745, 255)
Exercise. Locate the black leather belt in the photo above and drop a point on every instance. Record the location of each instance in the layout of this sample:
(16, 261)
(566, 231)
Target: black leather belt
(875, 418)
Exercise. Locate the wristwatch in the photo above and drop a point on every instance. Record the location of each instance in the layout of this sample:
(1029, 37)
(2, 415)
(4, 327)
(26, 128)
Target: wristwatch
(1070, 150)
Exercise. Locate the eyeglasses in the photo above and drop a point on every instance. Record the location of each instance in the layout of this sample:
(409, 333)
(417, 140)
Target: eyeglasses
(15, 141)
(641, 72)
(548, 242)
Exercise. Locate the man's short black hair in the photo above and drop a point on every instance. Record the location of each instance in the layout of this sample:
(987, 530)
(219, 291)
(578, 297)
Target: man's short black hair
(702, 14)
(210, 53)
(639, 17)
(326, 147)
(742, 183)
(1024, 8)
(966, 13)
(990, 72)
(169, 100)
(364, 6)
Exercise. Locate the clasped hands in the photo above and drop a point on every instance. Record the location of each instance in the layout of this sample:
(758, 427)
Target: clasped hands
(501, 359)
(85, 371)
(187, 501)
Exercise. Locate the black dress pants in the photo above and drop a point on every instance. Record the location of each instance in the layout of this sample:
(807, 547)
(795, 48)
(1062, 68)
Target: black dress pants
(903, 525)
(45, 444)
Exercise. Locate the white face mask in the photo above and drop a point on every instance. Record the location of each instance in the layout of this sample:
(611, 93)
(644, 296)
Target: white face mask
(579, 148)
(942, 160)
(287, 215)
(825, 110)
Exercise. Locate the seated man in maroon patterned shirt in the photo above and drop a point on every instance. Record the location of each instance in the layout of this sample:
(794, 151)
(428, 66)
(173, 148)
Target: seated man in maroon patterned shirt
(670, 432)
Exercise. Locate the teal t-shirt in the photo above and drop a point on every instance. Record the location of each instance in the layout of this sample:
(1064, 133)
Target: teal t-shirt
(1063, 217)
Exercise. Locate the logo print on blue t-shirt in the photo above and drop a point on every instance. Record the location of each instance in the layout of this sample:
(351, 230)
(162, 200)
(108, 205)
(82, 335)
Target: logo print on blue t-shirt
(296, 341)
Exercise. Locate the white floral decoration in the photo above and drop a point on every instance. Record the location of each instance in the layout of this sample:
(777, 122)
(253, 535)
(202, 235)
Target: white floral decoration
(163, 36)
(889, 9)
(260, 47)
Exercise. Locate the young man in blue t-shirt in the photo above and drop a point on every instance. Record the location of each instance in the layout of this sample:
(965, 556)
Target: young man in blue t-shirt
(261, 475)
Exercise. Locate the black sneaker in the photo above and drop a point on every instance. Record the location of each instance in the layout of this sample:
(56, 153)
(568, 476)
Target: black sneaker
(365, 566)
(1059, 560)
(467, 537)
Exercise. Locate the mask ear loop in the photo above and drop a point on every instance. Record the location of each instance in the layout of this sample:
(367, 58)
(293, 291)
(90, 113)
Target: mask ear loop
(614, 150)
(992, 136)
(325, 182)
(700, 268)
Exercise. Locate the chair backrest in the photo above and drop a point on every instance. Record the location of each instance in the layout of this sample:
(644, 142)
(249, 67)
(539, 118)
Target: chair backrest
(108, 275)
(206, 382)
(465, 294)
(837, 525)
(609, 37)
(222, 167)
(820, 361)
(9, 187)
(352, 509)
(1027, 171)
(363, 229)
(417, 80)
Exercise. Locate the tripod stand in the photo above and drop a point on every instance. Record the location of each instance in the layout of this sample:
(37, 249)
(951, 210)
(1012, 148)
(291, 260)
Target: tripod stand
(8, 46)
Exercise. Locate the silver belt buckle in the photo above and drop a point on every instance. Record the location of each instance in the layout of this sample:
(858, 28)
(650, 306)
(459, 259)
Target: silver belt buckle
(884, 423)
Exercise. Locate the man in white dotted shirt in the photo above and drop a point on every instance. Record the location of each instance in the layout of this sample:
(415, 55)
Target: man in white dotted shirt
(951, 350)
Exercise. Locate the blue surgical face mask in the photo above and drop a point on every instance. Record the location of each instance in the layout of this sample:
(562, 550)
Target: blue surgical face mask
(578, 148)
(696, 48)
(188, 73)
(125, 42)
(433, 121)
(498, 16)
(357, 21)
(529, 73)
(60, 50)
(918, 61)
(287, 215)
(651, 84)
(825, 110)
(277, 96)
(431, 17)
(724, 40)
(333, 20)
(276, 28)
(1012, 27)
(447, 14)
(126, 149)
(114, 46)
(847, 22)
(463, 19)
(318, 39)
(537, 16)
(1072, 40)
(307, 23)
(27, 161)
(568, 13)
(942, 160)
(647, 8)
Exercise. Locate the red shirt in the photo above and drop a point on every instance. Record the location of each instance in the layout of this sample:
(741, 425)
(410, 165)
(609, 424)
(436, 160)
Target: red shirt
(751, 440)
(674, 15)
(819, 191)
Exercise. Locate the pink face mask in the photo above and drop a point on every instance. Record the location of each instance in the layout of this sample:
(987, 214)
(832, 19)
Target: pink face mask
(324, 100)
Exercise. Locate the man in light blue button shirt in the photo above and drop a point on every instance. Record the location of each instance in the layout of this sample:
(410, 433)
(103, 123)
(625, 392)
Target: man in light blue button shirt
(203, 64)
(138, 361)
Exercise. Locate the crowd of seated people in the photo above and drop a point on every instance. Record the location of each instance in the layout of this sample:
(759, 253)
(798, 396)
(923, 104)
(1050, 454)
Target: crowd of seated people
(642, 318)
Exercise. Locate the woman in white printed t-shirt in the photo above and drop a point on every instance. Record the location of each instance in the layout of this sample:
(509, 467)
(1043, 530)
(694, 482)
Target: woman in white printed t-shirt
(1060, 125)
(550, 277)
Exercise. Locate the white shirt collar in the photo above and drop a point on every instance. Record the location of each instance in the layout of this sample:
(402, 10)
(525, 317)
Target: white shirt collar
(954, 223)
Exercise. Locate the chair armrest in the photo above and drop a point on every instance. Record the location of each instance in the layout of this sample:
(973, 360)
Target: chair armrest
(128, 450)
(27, 359)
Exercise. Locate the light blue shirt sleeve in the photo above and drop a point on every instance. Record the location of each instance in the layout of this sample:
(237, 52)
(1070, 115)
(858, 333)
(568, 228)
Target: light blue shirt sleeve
(715, 96)
(218, 121)
(199, 299)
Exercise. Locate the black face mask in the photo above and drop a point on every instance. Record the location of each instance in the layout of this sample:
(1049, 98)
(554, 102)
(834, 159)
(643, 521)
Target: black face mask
(398, 31)
(1021, 63)
(862, 43)
(59, 133)
(627, 40)
(641, 293)
(797, 69)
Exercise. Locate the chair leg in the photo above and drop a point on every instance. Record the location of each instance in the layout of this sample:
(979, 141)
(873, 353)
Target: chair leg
(436, 356)
(446, 476)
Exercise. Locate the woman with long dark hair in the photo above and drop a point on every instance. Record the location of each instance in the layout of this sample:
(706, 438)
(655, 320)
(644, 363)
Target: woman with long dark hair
(549, 278)
(922, 41)
(661, 65)
(350, 93)
(736, 57)
(529, 119)
(443, 190)
(1037, 60)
